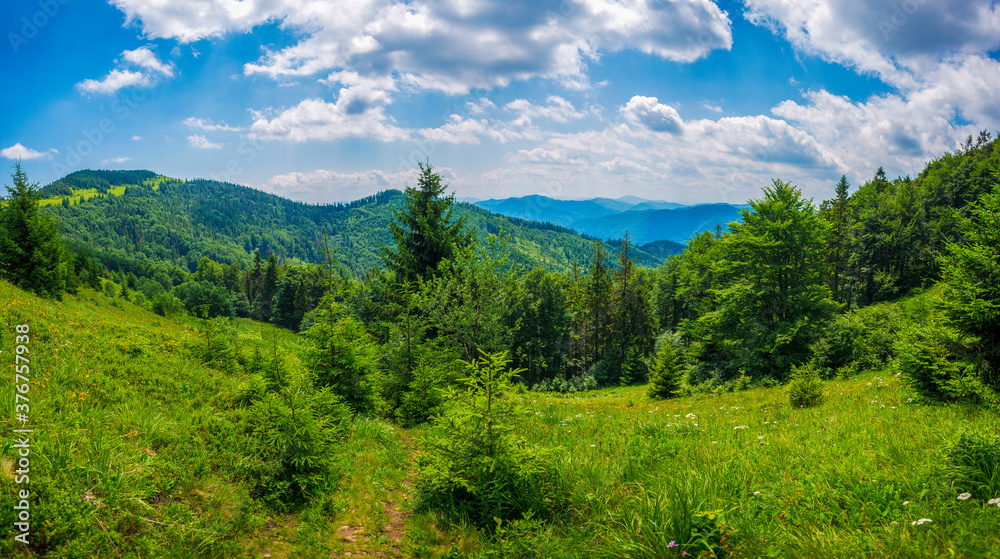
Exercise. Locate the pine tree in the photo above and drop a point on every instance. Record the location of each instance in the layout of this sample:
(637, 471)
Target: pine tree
(666, 374)
(31, 251)
(424, 231)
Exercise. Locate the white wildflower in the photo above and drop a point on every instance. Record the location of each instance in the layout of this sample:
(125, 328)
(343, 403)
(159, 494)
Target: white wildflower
(965, 496)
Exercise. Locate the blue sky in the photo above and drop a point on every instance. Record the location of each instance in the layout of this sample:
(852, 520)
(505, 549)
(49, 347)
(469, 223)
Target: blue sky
(682, 100)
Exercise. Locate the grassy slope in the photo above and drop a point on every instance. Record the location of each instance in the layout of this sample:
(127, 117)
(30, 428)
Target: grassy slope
(136, 452)
(136, 455)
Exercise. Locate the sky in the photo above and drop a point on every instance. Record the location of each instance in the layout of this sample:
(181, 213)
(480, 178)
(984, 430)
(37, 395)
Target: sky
(689, 101)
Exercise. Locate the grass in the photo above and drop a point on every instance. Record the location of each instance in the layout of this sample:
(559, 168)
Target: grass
(82, 194)
(139, 452)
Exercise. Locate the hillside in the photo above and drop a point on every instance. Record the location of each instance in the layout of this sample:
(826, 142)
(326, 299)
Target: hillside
(143, 448)
(157, 219)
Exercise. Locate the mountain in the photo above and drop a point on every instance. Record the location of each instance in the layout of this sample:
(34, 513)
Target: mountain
(559, 212)
(676, 225)
(162, 223)
(609, 218)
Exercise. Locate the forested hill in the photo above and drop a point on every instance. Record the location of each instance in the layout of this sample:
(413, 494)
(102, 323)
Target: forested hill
(134, 218)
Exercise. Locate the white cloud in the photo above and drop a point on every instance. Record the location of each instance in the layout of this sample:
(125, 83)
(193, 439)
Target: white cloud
(557, 109)
(115, 80)
(118, 160)
(18, 151)
(143, 57)
(358, 112)
(894, 40)
(148, 68)
(136, 138)
(324, 186)
(208, 125)
(711, 107)
(649, 113)
(448, 45)
(201, 142)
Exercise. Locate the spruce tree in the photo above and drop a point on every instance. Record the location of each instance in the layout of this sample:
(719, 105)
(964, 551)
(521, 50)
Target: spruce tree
(424, 231)
(31, 251)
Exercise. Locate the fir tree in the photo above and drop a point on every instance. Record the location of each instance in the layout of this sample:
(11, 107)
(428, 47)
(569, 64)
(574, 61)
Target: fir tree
(31, 251)
(424, 231)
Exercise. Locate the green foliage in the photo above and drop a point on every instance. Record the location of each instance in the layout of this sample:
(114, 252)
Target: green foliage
(342, 356)
(31, 252)
(805, 387)
(936, 361)
(294, 432)
(467, 302)
(632, 322)
(774, 303)
(667, 374)
(657, 526)
(424, 231)
(539, 324)
(859, 340)
(973, 465)
(476, 465)
(578, 383)
(972, 280)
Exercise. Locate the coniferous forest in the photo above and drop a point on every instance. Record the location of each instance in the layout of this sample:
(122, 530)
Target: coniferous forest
(213, 371)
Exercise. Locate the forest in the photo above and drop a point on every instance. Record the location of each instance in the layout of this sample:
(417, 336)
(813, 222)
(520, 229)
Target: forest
(433, 354)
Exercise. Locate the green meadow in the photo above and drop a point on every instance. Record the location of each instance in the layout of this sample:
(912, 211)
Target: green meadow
(138, 451)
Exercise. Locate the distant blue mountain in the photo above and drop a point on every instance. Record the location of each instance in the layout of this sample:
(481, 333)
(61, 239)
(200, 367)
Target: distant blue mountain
(645, 220)
(543, 208)
(676, 225)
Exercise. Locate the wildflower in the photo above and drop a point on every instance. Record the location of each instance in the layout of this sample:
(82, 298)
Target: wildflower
(672, 544)
(905, 503)
(755, 493)
(740, 427)
(965, 496)
(992, 502)
(921, 521)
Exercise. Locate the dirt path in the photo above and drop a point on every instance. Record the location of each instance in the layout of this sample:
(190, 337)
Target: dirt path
(386, 542)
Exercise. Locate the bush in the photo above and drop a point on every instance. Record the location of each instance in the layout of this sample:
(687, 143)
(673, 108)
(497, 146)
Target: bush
(861, 340)
(973, 465)
(666, 375)
(935, 361)
(474, 466)
(805, 387)
(579, 383)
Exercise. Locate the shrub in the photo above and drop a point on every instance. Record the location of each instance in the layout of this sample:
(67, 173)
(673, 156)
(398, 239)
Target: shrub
(805, 387)
(475, 467)
(974, 464)
(579, 383)
(860, 340)
(935, 361)
(666, 375)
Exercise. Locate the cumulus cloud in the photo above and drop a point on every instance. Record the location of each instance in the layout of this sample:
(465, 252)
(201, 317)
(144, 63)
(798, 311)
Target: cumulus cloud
(649, 113)
(201, 142)
(894, 40)
(557, 109)
(357, 113)
(118, 160)
(149, 67)
(448, 45)
(18, 151)
(208, 125)
(325, 186)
